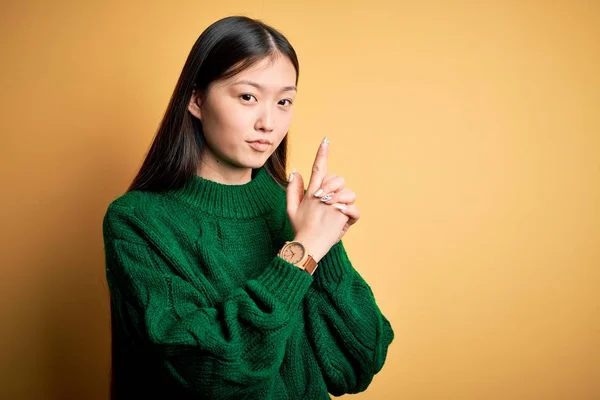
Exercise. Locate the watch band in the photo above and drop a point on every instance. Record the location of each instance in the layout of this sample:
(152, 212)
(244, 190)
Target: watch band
(308, 264)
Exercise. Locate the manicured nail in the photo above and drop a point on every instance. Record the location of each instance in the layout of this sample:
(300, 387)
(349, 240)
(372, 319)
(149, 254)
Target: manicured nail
(325, 140)
(291, 177)
(340, 206)
(318, 192)
(326, 198)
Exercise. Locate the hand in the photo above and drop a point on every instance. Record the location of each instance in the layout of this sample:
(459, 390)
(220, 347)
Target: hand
(340, 197)
(315, 224)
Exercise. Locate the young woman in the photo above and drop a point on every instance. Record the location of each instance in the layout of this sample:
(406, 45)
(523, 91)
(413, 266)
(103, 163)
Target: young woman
(226, 280)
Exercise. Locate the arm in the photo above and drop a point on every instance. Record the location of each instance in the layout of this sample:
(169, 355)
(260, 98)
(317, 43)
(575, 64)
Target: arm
(227, 350)
(349, 334)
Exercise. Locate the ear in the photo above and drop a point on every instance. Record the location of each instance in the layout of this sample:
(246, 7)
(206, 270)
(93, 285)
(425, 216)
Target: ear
(194, 104)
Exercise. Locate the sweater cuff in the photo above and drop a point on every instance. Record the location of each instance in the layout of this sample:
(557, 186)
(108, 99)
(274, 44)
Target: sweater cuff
(286, 282)
(333, 266)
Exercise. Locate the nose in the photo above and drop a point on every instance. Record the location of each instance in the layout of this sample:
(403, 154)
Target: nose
(265, 121)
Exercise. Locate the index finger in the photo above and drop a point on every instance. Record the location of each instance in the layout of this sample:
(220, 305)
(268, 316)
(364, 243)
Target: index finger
(319, 169)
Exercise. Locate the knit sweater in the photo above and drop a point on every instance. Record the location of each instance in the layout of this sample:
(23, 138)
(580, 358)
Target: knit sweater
(203, 308)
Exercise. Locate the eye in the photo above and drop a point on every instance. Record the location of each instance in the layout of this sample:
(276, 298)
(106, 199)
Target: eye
(284, 100)
(247, 97)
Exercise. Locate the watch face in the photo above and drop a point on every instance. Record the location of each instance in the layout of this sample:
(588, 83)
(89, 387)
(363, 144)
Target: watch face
(293, 253)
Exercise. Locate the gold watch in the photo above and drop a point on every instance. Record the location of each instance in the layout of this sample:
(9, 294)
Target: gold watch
(296, 253)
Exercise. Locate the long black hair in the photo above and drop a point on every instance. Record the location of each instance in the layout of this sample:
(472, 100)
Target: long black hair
(225, 48)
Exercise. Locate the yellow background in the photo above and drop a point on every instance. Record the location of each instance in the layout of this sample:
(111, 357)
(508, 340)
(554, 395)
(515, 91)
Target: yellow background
(469, 130)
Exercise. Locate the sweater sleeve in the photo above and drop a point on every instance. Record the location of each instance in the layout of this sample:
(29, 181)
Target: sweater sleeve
(229, 350)
(349, 334)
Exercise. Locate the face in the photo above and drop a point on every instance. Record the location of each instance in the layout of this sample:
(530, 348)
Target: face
(254, 105)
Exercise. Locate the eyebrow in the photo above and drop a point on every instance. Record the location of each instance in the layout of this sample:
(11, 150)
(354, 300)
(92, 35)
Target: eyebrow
(260, 87)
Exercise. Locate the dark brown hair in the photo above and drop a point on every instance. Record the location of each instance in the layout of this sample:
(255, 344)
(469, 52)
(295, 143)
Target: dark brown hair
(225, 48)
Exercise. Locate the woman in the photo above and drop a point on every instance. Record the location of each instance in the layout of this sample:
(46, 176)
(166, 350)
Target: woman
(227, 281)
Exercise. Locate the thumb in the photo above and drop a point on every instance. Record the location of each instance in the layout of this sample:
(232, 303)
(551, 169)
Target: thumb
(294, 192)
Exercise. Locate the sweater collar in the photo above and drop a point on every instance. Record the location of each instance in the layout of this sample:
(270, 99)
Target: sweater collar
(257, 197)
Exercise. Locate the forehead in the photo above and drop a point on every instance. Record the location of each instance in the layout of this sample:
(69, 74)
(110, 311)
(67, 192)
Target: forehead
(274, 72)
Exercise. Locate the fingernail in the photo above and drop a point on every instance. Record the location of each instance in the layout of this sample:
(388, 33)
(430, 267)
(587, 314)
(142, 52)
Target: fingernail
(318, 192)
(325, 140)
(340, 206)
(291, 177)
(326, 198)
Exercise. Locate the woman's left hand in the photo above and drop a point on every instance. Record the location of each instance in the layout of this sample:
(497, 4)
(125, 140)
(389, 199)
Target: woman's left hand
(334, 193)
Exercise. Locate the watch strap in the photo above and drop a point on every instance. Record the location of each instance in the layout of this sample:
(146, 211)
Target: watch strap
(309, 265)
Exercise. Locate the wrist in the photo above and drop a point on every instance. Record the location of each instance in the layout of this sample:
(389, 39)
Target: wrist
(296, 252)
(311, 248)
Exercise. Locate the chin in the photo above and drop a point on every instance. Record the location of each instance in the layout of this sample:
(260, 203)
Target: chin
(254, 164)
(257, 162)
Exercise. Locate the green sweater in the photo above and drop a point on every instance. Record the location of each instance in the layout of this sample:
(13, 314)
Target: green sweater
(203, 308)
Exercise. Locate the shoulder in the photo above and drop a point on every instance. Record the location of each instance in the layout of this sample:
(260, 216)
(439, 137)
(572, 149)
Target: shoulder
(127, 215)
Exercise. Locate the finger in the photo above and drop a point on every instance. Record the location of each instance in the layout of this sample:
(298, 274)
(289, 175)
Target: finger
(333, 185)
(351, 211)
(344, 231)
(344, 196)
(328, 177)
(319, 169)
(294, 192)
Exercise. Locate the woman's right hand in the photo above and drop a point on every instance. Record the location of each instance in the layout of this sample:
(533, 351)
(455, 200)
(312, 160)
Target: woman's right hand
(317, 225)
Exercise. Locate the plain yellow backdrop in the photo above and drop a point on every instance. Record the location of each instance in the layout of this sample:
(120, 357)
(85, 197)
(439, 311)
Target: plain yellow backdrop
(469, 130)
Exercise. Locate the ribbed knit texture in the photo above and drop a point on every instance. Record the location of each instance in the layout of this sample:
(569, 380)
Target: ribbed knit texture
(202, 307)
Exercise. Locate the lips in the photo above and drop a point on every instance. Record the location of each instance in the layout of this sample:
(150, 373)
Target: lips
(260, 145)
(262, 141)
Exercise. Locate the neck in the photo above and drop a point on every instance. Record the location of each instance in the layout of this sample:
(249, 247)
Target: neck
(222, 172)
